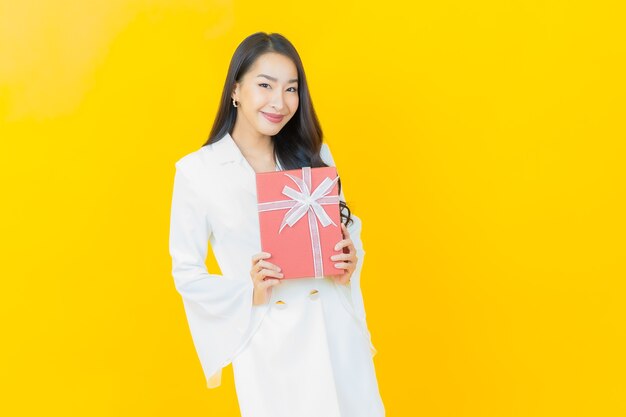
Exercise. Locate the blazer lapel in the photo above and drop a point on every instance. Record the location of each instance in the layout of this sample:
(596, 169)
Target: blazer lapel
(229, 155)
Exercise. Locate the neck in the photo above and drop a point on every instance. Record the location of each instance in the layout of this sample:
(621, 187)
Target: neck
(253, 144)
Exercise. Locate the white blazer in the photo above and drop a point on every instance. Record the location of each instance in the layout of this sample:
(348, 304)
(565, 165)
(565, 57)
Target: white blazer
(214, 199)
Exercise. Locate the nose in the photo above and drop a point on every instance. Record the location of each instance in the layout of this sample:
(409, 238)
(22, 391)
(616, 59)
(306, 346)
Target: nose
(277, 100)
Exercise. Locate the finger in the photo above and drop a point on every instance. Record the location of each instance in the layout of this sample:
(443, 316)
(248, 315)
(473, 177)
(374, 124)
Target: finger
(259, 277)
(342, 265)
(351, 247)
(256, 268)
(270, 273)
(270, 282)
(340, 244)
(268, 265)
(341, 257)
(344, 229)
(260, 255)
(345, 243)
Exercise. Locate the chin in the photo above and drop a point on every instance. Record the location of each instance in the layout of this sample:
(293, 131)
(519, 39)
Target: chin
(269, 131)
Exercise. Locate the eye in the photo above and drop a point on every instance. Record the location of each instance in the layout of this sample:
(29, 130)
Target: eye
(294, 89)
(262, 84)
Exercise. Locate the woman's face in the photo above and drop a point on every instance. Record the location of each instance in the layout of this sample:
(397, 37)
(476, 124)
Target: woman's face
(269, 88)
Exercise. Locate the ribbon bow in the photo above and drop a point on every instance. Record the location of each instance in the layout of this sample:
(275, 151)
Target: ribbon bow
(307, 200)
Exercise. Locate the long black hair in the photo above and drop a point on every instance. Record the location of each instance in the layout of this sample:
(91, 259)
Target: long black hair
(299, 142)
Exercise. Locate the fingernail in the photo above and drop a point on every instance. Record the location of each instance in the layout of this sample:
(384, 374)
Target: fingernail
(336, 247)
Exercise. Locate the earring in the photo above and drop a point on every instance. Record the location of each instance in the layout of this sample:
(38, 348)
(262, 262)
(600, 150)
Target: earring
(234, 103)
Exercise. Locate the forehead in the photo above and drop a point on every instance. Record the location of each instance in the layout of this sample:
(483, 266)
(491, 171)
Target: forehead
(275, 65)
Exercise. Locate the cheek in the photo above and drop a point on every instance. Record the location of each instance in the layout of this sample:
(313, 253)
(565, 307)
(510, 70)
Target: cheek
(293, 103)
(256, 97)
(259, 99)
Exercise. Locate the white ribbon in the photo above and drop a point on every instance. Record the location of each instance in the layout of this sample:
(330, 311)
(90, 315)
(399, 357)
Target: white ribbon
(303, 202)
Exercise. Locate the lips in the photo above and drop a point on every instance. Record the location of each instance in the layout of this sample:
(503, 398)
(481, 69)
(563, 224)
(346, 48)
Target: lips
(274, 118)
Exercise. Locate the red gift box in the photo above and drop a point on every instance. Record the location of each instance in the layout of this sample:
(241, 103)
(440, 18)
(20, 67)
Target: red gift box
(299, 220)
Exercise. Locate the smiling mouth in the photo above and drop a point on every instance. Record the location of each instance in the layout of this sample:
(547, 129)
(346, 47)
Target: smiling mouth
(275, 118)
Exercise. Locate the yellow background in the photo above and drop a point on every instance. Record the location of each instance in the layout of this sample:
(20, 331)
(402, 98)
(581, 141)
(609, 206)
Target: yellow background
(481, 142)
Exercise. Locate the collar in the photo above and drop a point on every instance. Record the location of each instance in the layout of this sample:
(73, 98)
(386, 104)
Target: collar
(227, 150)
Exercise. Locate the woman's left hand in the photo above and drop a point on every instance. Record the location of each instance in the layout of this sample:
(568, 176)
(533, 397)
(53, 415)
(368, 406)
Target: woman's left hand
(346, 260)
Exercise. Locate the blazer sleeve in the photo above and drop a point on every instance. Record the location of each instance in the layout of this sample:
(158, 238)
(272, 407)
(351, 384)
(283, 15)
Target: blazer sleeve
(218, 308)
(354, 286)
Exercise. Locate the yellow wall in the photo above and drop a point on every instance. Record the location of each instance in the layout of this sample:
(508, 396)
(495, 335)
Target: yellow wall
(481, 142)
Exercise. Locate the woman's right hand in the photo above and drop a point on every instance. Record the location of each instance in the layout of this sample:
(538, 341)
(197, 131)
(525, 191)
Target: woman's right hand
(264, 276)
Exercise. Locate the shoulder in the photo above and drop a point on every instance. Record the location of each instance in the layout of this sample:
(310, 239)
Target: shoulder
(198, 163)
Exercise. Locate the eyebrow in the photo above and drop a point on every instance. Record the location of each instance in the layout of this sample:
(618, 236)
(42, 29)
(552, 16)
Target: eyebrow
(294, 80)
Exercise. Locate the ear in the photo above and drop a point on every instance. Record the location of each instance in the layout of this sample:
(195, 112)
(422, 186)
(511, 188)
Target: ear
(235, 92)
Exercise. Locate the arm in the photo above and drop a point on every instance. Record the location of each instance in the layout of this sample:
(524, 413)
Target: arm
(218, 308)
(355, 227)
(355, 234)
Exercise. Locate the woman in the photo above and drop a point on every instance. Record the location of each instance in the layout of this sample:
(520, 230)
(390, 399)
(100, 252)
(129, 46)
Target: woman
(299, 347)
